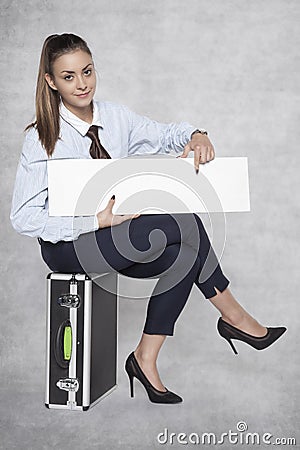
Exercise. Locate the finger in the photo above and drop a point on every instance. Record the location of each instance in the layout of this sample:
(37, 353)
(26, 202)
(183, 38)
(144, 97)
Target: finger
(130, 216)
(197, 157)
(204, 155)
(212, 153)
(110, 203)
(133, 216)
(186, 151)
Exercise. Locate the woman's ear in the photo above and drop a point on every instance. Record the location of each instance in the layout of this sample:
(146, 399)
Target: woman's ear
(50, 81)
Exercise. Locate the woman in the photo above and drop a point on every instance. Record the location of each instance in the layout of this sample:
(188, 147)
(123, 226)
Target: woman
(68, 125)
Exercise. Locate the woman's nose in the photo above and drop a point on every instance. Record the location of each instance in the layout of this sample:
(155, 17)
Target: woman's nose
(81, 83)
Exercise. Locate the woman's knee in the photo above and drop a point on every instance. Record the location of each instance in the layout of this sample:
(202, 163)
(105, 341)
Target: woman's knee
(187, 258)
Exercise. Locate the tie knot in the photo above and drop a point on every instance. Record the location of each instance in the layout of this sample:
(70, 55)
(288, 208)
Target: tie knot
(93, 132)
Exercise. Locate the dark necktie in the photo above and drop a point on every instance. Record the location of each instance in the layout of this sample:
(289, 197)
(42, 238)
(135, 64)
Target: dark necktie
(97, 150)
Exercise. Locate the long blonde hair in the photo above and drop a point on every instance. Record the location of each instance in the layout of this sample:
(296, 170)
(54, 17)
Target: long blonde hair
(47, 100)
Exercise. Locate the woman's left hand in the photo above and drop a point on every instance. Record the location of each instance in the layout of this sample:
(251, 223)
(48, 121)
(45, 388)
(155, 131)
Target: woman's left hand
(202, 147)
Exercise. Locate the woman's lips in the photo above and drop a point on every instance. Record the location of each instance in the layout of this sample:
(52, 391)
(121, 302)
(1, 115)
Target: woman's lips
(83, 95)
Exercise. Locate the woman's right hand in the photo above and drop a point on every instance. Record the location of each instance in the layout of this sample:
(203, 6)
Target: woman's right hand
(107, 219)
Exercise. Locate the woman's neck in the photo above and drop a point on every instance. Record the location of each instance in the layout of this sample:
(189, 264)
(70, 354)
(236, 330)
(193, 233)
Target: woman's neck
(85, 114)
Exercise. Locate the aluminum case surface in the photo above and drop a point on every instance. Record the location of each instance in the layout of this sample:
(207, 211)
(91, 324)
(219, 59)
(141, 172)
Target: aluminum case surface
(81, 339)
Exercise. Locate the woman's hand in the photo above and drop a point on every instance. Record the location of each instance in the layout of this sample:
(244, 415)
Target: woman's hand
(107, 219)
(203, 150)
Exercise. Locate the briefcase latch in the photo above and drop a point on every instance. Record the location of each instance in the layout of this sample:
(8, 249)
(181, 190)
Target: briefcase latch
(68, 384)
(69, 300)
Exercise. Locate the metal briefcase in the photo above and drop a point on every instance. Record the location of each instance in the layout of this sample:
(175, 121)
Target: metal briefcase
(81, 345)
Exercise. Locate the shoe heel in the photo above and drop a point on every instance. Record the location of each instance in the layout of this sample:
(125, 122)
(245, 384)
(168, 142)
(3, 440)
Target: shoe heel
(130, 376)
(232, 346)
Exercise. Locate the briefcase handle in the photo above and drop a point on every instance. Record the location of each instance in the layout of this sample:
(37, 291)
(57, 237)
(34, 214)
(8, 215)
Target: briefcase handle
(63, 344)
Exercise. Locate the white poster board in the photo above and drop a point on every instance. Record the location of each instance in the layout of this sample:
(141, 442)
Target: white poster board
(152, 184)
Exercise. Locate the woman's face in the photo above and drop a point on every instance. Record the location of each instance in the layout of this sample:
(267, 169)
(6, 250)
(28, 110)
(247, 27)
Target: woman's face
(75, 79)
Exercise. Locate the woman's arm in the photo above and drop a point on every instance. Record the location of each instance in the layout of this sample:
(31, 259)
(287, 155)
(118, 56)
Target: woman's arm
(29, 211)
(147, 136)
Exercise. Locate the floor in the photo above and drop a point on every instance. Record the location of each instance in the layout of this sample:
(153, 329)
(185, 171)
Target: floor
(253, 392)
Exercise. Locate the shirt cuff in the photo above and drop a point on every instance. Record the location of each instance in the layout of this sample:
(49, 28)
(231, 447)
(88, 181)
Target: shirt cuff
(188, 132)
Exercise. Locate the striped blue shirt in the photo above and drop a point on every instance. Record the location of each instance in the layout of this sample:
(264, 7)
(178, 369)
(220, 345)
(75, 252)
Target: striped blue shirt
(121, 132)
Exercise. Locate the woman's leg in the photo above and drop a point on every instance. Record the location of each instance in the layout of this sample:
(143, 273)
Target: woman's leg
(163, 309)
(213, 284)
(146, 354)
(231, 311)
(147, 350)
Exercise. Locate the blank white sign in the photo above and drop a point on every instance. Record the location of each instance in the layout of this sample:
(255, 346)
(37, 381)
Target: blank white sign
(152, 184)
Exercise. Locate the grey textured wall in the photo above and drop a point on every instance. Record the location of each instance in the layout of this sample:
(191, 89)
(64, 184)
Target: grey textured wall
(232, 67)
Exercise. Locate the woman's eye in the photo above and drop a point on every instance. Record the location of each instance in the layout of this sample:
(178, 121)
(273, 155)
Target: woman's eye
(68, 77)
(87, 72)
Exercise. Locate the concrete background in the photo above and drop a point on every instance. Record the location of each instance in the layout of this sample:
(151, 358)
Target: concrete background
(231, 67)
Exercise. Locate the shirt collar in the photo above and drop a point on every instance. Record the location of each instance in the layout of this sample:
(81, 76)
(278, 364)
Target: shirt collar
(80, 125)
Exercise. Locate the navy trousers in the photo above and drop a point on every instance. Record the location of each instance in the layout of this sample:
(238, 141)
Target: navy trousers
(173, 248)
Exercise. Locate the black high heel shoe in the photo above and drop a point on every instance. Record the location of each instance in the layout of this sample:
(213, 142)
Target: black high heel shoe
(230, 332)
(155, 396)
